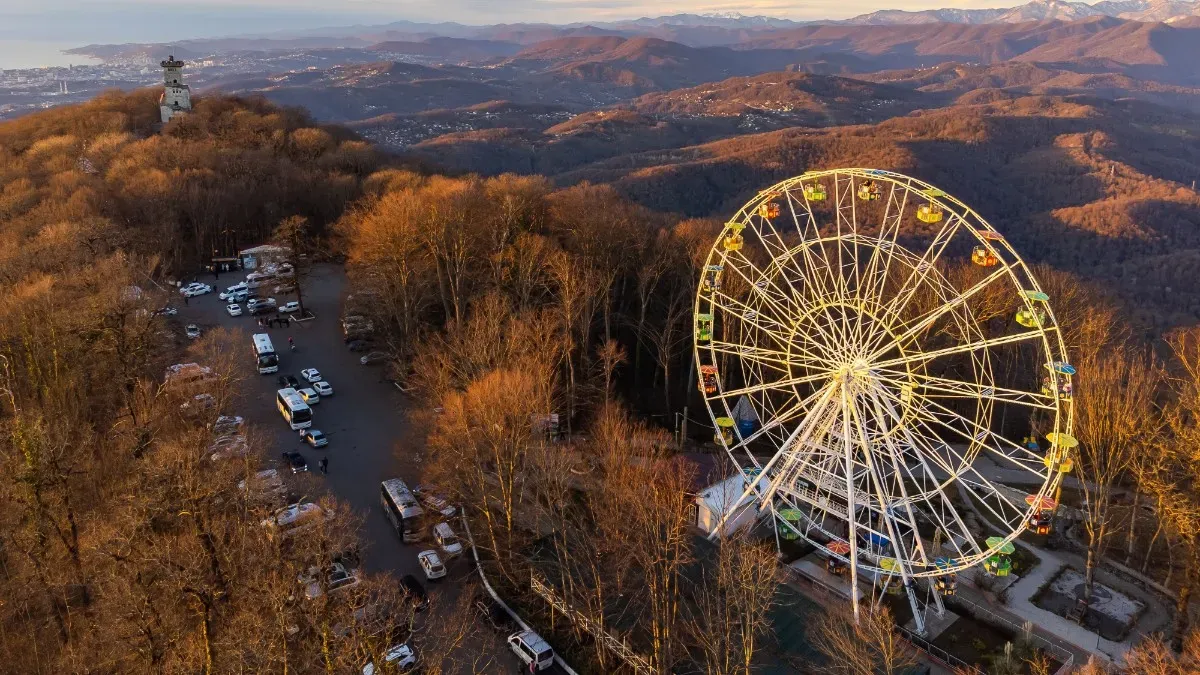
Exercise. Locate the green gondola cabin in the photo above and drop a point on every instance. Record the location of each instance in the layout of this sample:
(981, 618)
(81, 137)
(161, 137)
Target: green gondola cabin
(815, 192)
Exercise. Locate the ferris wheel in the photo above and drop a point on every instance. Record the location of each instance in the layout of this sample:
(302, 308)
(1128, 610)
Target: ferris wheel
(869, 350)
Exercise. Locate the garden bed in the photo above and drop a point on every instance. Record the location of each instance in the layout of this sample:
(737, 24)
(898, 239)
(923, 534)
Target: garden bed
(1111, 614)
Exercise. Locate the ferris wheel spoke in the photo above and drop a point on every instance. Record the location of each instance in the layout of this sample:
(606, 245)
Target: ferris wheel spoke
(980, 482)
(778, 384)
(925, 264)
(922, 323)
(882, 493)
(761, 356)
(975, 434)
(942, 387)
(775, 303)
(779, 419)
(759, 322)
(886, 241)
(958, 349)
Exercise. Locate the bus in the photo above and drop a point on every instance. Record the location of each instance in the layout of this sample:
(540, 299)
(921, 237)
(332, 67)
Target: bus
(401, 509)
(264, 354)
(294, 409)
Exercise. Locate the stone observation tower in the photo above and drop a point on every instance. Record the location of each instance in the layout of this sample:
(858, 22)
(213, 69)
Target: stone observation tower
(176, 97)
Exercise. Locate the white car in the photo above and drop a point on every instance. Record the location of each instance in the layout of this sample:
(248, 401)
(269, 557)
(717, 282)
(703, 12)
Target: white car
(310, 396)
(402, 657)
(234, 309)
(311, 374)
(268, 481)
(192, 290)
(323, 388)
(166, 311)
(232, 290)
(288, 308)
(192, 330)
(431, 564)
(446, 539)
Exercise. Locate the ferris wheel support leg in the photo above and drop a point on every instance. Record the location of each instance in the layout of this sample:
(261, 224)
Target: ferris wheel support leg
(851, 514)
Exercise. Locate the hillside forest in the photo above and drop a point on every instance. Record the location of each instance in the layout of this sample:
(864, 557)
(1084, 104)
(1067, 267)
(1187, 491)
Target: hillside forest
(501, 295)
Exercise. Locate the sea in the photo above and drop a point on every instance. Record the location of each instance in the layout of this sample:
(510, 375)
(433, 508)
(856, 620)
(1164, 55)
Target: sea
(21, 54)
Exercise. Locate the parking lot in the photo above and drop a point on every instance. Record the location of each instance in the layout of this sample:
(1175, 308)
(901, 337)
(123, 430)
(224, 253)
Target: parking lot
(370, 439)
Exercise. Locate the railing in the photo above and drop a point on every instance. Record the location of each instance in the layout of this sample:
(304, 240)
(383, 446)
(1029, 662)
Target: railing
(933, 651)
(1064, 656)
(496, 596)
(619, 647)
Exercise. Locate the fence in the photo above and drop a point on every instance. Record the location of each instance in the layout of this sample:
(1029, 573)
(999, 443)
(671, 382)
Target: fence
(1064, 656)
(933, 651)
(619, 647)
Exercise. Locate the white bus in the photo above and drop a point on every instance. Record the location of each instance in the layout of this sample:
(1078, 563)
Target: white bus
(264, 354)
(293, 408)
(401, 509)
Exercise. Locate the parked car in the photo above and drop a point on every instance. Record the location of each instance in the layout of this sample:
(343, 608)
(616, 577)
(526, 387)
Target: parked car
(323, 388)
(253, 303)
(310, 395)
(493, 613)
(446, 539)
(315, 438)
(432, 501)
(431, 564)
(194, 289)
(415, 592)
(289, 307)
(292, 519)
(531, 649)
(337, 578)
(227, 424)
(192, 330)
(400, 657)
(283, 289)
(198, 404)
(268, 480)
(373, 357)
(166, 311)
(238, 297)
(227, 447)
(232, 290)
(358, 345)
(288, 381)
(263, 307)
(234, 309)
(295, 461)
(311, 375)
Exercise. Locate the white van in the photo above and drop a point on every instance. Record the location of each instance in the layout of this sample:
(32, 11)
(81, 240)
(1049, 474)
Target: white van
(531, 649)
(446, 539)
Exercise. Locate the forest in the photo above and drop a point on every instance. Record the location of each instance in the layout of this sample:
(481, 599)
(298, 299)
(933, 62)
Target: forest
(500, 299)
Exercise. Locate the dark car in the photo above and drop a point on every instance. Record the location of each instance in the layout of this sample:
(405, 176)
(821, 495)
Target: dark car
(288, 381)
(295, 460)
(358, 345)
(415, 592)
(494, 614)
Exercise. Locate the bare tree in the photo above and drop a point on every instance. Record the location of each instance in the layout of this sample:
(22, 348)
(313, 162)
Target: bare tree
(1114, 405)
(871, 646)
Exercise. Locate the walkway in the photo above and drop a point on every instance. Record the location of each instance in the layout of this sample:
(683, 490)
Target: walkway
(1020, 601)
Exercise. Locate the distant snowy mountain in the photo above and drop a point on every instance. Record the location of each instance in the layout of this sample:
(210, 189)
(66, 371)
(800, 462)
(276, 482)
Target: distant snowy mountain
(734, 20)
(1038, 10)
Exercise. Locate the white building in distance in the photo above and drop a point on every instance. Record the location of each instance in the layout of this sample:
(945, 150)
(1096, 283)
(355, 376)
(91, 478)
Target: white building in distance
(176, 97)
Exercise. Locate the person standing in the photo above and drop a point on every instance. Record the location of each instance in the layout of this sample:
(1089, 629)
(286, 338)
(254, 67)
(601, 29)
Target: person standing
(324, 464)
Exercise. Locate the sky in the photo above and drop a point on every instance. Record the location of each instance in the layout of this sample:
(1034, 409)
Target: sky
(84, 21)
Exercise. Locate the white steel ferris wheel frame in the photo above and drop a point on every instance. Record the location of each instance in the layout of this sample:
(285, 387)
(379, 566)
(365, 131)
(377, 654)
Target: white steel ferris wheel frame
(825, 322)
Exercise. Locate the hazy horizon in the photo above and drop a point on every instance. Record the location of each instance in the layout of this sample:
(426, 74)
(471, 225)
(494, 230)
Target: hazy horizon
(81, 22)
